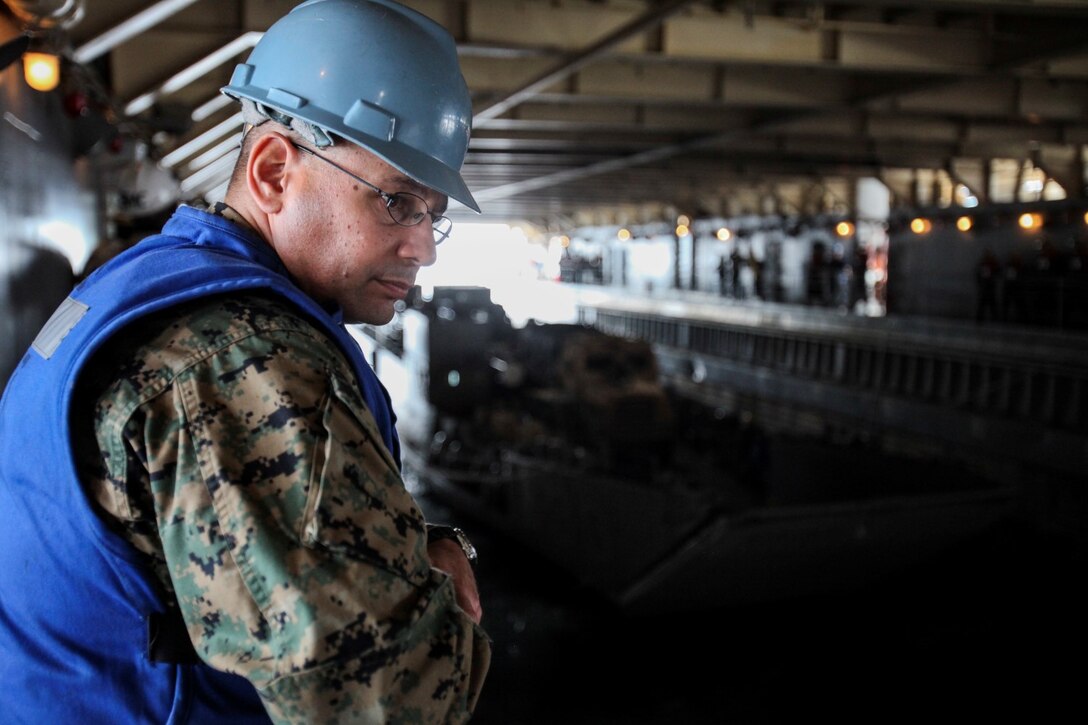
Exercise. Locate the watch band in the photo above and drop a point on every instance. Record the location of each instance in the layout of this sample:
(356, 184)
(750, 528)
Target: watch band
(436, 532)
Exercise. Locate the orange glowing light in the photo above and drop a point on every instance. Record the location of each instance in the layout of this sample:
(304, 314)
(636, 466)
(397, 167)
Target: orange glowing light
(964, 223)
(919, 225)
(682, 230)
(41, 70)
(1030, 221)
(844, 229)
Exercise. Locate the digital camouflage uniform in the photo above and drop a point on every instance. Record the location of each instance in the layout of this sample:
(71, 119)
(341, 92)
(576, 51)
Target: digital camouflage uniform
(235, 449)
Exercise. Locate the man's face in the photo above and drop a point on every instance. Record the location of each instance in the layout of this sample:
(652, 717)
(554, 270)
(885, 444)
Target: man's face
(338, 241)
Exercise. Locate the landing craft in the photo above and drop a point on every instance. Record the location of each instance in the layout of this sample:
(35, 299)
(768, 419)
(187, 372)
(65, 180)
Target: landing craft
(570, 441)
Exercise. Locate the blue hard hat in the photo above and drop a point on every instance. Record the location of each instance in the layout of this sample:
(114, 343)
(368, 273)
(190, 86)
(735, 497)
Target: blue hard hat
(374, 72)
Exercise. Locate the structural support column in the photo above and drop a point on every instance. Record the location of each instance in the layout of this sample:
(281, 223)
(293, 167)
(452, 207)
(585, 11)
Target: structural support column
(676, 276)
(694, 260)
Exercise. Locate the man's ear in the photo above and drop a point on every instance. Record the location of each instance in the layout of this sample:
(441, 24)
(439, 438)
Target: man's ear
(272, 161)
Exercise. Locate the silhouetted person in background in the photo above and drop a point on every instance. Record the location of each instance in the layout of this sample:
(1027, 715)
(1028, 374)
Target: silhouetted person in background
(839, 277)
(735, 262)
(817, 282)
(1013, 307)
(757, 275)
(859, 264)
(1044, 299)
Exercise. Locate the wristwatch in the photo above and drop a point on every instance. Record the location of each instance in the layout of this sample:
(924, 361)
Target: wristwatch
(441, 531)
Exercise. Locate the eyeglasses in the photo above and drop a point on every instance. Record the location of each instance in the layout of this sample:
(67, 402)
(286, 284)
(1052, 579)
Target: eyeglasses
(404, 208)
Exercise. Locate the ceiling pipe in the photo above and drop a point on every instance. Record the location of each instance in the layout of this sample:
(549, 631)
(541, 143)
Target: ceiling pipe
(209, 176)
(569, 67)
(138, 23)
(231, 143)
(209, 107)
(217, 194)
(186, 150)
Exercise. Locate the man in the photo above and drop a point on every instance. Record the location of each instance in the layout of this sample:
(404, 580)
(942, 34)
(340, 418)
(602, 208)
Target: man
(199, 473)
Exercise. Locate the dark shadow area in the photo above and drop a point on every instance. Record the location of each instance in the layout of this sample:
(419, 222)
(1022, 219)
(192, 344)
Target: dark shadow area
(983, 630)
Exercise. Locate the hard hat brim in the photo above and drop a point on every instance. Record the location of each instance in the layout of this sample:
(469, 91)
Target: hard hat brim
(416, 165)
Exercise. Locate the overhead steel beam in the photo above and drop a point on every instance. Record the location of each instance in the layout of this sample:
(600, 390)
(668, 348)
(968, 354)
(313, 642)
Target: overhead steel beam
(765, 124)
(138, 23)
(572, 65)
(194, 72)
(602, 167)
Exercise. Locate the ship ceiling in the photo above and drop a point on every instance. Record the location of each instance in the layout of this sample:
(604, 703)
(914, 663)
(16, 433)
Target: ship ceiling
(622, 110)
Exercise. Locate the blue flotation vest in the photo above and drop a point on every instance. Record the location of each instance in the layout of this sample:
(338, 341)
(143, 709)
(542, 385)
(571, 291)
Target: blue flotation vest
(76, 600)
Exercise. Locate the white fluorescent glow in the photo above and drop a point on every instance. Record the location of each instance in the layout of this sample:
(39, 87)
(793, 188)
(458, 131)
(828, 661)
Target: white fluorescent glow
(215, 152)
(218, 193)
(208, 137)
(206, 109)
(514, 273)
(69, 240)
(208, 173)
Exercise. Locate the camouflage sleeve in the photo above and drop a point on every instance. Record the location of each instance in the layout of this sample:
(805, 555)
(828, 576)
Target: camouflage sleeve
(297, 556)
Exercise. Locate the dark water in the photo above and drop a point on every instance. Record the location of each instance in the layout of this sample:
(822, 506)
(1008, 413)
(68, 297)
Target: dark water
(992, 628)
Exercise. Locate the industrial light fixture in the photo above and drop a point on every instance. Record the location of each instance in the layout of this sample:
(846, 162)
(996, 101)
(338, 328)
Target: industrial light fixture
(1030, 221)
(41, 70)
(920, 225)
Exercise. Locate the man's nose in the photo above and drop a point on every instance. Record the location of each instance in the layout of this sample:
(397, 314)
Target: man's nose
(418, 244)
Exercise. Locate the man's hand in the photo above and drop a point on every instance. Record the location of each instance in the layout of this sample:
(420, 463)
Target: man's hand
(447, 556)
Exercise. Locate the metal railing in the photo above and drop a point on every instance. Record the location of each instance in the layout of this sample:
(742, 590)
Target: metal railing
(1016, 375)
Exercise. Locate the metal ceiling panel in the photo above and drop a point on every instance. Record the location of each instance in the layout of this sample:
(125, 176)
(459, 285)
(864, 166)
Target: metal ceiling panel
(652, 105)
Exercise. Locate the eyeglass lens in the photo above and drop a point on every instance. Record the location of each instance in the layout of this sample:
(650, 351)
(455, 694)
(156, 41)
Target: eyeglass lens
(404, 208)
(408, 210)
